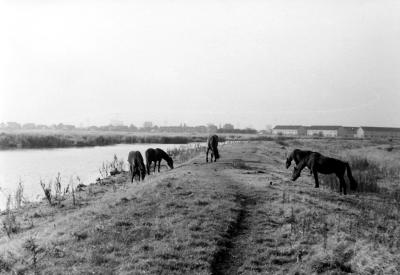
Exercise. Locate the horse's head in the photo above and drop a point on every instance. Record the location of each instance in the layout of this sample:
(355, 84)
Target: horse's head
(170, 163)
(142, 171)
(296, 173)
(288, 162)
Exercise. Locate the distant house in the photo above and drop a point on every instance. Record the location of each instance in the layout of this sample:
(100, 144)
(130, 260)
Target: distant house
(378, 132)
(347, 132)
(323, 130)
(289, 130)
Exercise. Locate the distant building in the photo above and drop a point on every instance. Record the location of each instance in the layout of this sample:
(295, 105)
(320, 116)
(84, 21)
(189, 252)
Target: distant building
(228, 126)
(211, 128)
(347, 132)
(29, 126)
(289, 130)
(148, 124)
(13, 125)
(378, 132)
(323, 130)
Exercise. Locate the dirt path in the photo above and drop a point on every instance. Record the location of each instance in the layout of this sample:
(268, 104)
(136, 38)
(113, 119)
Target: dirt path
(257, 224)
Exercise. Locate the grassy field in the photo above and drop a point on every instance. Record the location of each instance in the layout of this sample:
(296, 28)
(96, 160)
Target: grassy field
(241, 215)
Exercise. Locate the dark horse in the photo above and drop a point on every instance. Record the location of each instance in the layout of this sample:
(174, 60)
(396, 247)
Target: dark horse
(157, 155)
(136, 165)
(212, 144)
(318, 163)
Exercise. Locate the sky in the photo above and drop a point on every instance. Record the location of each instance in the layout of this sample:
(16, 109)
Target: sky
(249, 63)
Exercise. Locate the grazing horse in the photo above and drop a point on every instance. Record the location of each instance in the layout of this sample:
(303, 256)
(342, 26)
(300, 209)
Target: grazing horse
(136, 165)
(157, 155)
(297, 155)
(318, 163)
(212, 144)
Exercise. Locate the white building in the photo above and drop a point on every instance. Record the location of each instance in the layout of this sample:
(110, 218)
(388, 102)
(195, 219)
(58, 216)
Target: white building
(289, 130)
(323, 131)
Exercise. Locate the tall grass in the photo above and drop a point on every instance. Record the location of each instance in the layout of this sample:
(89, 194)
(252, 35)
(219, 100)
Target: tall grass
(376, 171)
(54, 192)
(184, 154)
(111, 168)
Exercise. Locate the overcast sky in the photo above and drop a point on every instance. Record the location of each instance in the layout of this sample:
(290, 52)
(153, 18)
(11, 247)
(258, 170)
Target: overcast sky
(251, 63)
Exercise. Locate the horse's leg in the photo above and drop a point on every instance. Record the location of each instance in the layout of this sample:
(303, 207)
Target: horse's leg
(342, 184)
(159, 164)
(148, 167)
(207, 154)
(131, 169)
(316, 179)
(155, 165)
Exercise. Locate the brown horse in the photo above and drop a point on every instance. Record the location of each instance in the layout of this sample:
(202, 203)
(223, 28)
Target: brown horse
(136, 165)
(318, 163)
(212, 144)
(156, 155)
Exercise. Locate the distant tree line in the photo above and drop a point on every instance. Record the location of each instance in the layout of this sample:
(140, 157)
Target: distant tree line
(119, 127)
(35, 140)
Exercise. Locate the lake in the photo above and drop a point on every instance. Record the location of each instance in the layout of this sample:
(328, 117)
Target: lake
(32, 165)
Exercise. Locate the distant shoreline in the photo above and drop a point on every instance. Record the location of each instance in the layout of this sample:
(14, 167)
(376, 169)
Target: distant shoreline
(14, 140)
(11, 141)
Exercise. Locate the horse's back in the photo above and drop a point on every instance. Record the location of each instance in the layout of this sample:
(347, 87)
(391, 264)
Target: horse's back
(131, 156)
(160, 151)
(150, 152)
(327, 165)
(213, 141)
(135, 156)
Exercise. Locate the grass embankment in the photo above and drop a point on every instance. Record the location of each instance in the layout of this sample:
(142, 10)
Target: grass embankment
(171, 223)
(241, 215)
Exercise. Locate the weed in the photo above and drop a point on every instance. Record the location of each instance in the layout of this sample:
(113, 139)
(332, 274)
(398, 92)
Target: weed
(186, 153)
(47, 191)
(19, 195)
(33, 249)
(10, 224)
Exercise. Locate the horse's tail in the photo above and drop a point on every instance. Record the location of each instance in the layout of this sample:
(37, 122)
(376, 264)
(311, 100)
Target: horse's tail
(353, 183)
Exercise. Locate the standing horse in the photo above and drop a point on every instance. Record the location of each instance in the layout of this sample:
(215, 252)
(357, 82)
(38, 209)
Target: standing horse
(157, 155)
(318, 163)
(212, 144)
(136, 165)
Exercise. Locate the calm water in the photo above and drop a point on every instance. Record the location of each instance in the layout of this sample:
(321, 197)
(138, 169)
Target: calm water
(31, 165)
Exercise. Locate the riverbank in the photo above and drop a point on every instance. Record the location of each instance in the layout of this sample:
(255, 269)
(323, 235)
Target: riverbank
(25, 140)
(239, 215)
